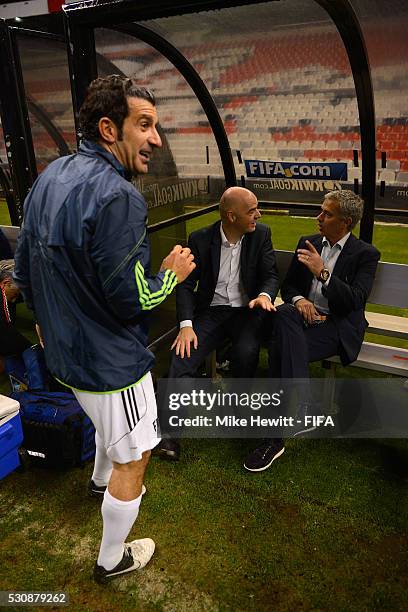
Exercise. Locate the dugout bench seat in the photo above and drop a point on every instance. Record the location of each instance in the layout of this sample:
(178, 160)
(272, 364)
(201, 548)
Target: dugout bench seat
(390, 289)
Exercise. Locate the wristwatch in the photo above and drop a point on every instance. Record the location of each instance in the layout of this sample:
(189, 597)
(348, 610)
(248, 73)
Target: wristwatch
(324, 275)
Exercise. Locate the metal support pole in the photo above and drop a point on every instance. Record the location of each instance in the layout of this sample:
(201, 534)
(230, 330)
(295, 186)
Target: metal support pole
(81, 61)
(346, 21)
(16, 123)
(187, 70)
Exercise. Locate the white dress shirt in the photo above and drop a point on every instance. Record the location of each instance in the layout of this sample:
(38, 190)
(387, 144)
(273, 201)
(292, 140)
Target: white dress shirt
(229, 290)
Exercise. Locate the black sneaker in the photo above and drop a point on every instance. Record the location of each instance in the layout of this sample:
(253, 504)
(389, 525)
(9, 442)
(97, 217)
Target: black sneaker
(95, 491)
(136, 555)
(262, 457)
(167, 449)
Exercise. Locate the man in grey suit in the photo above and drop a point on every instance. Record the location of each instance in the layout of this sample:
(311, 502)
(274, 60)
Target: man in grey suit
(325, 292)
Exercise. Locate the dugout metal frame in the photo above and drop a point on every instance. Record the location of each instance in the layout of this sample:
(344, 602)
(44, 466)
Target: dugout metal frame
(80, 21)
(16, 124)
(15, 105)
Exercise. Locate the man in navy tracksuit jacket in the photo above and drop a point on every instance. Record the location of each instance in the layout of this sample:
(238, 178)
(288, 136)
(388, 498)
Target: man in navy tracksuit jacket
(83, 266)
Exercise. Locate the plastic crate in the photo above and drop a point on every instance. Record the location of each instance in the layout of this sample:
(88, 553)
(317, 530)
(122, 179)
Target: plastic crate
(11, 435)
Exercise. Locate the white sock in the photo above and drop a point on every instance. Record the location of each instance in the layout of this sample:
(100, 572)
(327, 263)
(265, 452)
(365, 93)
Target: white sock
(103, 465)
(118, 518)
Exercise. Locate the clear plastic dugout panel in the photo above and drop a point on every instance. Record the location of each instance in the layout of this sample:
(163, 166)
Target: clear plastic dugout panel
(5, 181)
(181, 175)
(385, 25)
(280, 76)
(44, 65)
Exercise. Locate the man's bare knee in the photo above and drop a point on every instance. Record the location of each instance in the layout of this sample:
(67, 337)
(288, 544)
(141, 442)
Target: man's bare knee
(127, 478)
(133, 465)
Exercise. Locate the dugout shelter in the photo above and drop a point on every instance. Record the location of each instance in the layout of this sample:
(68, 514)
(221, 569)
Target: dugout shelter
(291, 98)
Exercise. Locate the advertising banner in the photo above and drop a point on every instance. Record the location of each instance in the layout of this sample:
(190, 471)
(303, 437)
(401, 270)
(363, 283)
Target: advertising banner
(296, 170)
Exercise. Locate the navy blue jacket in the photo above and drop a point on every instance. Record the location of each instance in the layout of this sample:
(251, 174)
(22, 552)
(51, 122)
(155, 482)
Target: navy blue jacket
(83, 266)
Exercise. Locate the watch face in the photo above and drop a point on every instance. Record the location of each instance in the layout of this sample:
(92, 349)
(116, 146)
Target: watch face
(324, 275)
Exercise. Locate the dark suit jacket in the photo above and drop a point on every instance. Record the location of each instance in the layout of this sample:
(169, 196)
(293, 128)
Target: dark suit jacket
(11, 341)
(258, 268)
(347, 292)
(5, 249)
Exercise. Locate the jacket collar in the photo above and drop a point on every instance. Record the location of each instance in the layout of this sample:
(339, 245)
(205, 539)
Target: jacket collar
(340, 242)
(94, 149)
(347, 250)
(225, 242)
(317, 241)
(216, 249)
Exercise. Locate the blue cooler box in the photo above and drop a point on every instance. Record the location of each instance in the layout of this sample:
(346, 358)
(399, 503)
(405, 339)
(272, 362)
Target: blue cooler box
(11, 435)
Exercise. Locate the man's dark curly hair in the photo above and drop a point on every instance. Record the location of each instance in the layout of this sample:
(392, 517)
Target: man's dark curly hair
(107, 97)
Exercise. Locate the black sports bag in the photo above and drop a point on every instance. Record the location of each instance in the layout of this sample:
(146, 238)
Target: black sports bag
(57, 432)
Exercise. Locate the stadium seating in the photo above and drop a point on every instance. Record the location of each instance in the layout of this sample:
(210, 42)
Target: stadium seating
(284, 96)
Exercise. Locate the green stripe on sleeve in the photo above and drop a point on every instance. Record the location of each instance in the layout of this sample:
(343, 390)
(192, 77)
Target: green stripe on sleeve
(148, 299)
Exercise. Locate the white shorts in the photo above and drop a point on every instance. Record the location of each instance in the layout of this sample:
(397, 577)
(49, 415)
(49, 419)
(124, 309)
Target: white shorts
(125, 421)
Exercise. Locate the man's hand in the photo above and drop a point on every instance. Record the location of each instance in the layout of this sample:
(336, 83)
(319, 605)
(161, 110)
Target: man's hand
(311, 259)
(262, 301)
(39, 334)
(180, 261)
(185, 337)
(307, 310)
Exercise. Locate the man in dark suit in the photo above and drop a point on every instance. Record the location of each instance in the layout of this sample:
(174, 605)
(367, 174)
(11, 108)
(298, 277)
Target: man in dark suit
(325, 293)
(237, 284)
(5, 249)
(11, 341)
